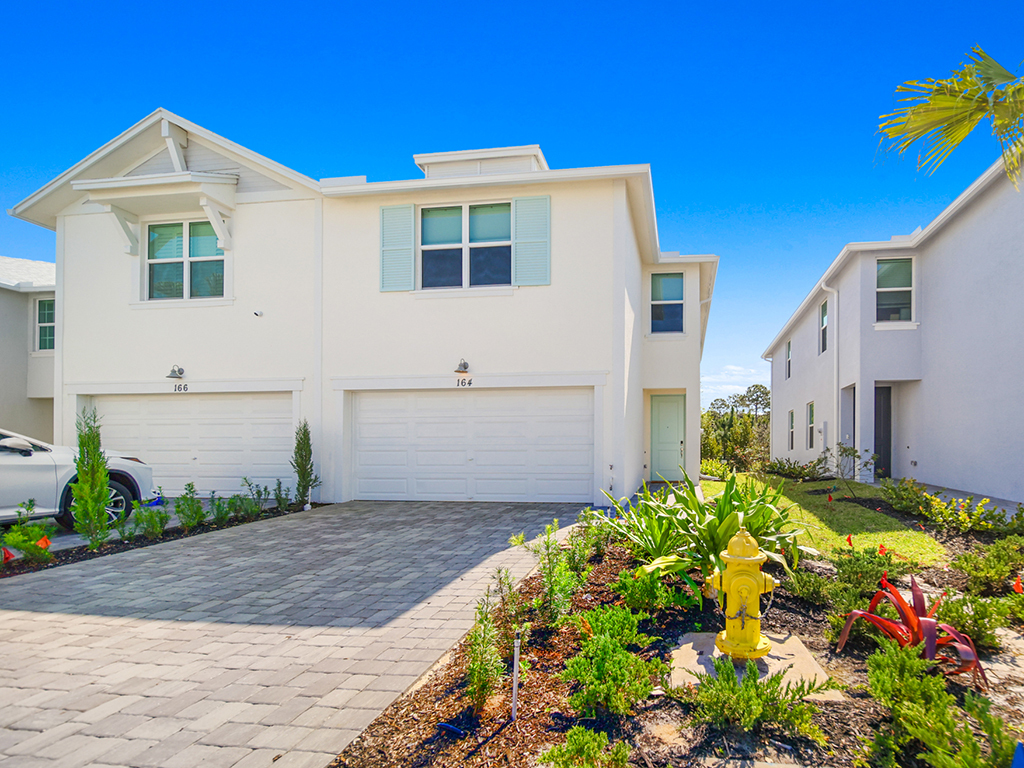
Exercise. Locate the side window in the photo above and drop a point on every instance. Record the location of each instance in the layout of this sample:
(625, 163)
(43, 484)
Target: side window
(791, 430)
(789, 359)
(667, 302)
(894, 291)
(810, 425)
(45, 318)
(823, 325)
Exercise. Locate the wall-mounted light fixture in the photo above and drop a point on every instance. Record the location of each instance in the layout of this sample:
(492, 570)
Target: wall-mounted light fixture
(176, 372)
(462, 367)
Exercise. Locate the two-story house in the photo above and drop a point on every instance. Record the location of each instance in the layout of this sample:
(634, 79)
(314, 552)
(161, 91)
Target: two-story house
(26, 347)
(495, 330)
(911, 349)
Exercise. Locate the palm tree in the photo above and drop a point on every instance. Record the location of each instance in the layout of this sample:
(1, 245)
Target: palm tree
(943, 112)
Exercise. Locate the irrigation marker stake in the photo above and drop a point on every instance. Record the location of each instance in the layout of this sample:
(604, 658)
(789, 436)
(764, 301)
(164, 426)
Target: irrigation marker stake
(515, 676)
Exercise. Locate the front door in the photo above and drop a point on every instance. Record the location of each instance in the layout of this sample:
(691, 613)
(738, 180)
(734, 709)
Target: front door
(883, 431)
(668, 436)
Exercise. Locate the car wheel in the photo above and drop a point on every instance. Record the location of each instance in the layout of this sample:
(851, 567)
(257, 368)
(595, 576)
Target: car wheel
(120, 499)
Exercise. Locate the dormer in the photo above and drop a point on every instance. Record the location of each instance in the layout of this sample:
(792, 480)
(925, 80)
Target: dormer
(482, 162)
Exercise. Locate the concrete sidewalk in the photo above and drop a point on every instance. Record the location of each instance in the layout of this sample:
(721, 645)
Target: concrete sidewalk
(282, 638)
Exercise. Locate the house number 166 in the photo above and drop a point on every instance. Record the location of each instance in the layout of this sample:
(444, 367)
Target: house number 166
(463, 382)
(181, 387)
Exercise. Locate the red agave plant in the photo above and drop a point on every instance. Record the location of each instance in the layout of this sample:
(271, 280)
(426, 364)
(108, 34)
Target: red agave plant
(916, 626)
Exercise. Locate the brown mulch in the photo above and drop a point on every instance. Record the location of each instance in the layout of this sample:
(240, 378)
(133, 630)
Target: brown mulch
(82, 553)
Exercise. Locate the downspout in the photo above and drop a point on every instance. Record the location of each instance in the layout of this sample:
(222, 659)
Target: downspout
(835, 362)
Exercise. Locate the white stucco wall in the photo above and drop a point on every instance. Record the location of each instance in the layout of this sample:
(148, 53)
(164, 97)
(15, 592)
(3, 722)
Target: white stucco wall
(32, 416)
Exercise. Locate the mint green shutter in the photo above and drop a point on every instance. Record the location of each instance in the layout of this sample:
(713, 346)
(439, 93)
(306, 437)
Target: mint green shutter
(531, 240)
(397, 248)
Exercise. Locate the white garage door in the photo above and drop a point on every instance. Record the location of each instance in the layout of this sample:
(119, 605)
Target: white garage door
(212, 440)
(484, 445)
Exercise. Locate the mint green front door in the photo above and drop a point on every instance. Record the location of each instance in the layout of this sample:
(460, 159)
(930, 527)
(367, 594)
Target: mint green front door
(668, 436)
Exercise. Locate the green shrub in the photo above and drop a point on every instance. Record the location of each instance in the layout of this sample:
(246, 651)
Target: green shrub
(655, 526)
(617, 623)
(988, 568)
(863, 570)
(189, 509)
(812, 470)
(596, 523)
(282, 497)
(586, 749)
(949, 739)
(25, 534)
(1014, 608)
(219, 510)
(90, 491)
(484, 670)
(581, 549)
(123, 524)
(963, 515)
(239, 506)
(152, 521)
(306, 478)
(723, 699)
(510, 616)
(647, 592)
(976, 617)
(253, 505)
(715, 468)
(809, 586)
(559, 581)
(610, 678)
(906, 495)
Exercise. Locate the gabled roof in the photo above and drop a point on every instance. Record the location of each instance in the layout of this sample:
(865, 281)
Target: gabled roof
(26, 275)
(897, 243)
(120, 154)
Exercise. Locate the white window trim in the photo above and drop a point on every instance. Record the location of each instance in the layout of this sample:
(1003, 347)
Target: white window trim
(823, 328)
(651, 334)
(465, 288)
(789, 359)
(140, 288)
(898, 324)
(35, 325)
(810, 425)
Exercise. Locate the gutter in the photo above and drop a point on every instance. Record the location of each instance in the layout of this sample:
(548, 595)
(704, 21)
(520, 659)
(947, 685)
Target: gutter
(835, 362)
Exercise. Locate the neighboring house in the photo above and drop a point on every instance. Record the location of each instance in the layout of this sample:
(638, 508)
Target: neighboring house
(26, 347)
(496, 330)
(915, 344)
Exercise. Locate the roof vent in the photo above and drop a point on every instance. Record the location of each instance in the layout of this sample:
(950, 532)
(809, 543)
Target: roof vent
(482, 162)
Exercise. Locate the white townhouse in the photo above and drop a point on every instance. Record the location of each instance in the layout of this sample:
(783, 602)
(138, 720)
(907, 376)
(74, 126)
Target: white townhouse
(495, 330)
(913, 349)
(26, 347)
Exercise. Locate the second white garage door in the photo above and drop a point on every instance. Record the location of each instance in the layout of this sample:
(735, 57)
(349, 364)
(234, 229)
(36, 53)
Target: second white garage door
(212, 440)
(483, 445)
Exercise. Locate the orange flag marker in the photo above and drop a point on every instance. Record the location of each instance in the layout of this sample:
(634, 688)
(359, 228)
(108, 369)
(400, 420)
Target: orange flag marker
(44, 542)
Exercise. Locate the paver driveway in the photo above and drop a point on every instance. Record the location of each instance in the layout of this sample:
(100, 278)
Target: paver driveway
(282, 637)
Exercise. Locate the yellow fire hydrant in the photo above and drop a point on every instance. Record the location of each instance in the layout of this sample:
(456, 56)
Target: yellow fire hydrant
(742, 583)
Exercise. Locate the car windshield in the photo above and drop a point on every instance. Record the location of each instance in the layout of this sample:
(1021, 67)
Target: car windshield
(36, 444)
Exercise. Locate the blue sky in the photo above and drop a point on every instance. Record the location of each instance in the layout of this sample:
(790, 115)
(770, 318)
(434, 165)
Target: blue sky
(759, 120)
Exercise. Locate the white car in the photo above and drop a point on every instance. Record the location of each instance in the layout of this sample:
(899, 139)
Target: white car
(32, 469)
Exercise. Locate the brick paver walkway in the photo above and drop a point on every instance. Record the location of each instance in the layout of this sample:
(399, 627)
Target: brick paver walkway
(284, 637)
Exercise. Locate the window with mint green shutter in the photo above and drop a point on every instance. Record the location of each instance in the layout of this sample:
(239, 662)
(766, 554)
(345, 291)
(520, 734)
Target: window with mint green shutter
(397, 248)
(531, 240)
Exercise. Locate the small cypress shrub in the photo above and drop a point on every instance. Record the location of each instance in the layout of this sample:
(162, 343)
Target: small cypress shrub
(485, 669)
(306, 478)
(90, 491)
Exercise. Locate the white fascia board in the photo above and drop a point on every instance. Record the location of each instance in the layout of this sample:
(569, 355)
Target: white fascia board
(527, 150)
(994, 172)
(156, 179)
(487, 180)
(28, 287)
(669, 257)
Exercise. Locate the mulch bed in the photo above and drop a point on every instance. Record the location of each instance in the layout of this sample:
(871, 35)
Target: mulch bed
(660, 732)
(81, 553)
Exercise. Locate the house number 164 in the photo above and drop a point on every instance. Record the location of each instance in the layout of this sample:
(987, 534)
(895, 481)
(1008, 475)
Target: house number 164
(463, 382)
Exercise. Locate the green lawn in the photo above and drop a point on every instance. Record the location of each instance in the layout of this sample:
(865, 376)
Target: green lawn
(828, 525)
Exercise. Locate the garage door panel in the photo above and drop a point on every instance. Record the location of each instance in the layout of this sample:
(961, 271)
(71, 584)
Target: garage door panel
(492, 444)
(212, 440)
(371, 458)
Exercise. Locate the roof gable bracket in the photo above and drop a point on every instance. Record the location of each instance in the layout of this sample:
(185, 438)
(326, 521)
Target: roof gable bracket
(218, 215)
(126, 223)
(176, 138)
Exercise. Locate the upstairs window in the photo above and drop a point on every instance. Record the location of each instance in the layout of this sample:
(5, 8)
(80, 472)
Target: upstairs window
(789, 358)
(823, 326)
(810, 425)
(182, 267)
(667, 303)
(464, 246)
(894, 294)
(45, 320)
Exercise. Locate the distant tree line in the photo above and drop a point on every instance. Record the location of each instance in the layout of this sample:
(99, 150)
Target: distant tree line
(736, 429)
